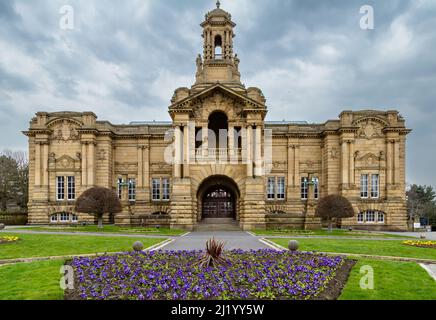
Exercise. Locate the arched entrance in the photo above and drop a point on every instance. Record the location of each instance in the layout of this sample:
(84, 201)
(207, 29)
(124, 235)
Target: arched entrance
(218, 197)
(218, 202)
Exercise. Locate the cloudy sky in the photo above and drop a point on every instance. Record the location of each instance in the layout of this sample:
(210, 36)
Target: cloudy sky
(123, 60)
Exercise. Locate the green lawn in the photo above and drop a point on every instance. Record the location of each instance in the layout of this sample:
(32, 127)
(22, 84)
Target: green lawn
(109, 229)
(334, 233)
(392, 281)
(31, 281)
(41, 245)
(373, 247)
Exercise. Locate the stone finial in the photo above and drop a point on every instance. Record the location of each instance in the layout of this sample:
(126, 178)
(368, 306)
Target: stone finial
(218, 4)
(138, 246)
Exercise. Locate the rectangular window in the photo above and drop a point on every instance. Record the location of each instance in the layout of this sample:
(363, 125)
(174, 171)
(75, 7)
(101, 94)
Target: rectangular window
(364, 186)
(132, 189)
(370, 216)
(60, 188)
(361, 218)
(280, 188)
(165, 189)
(71, 190)
(380, 217)
(65, 217)
(316, 188)
(271, 188)
(54, 218)
(74, 218)
(120, 188)
(375, 186)
(156, 189)
(304, 188)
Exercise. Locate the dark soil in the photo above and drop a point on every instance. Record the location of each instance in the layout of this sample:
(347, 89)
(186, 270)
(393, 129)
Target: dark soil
(335, 286)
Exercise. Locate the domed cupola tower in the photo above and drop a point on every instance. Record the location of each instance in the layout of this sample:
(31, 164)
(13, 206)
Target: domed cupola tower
(219, 63)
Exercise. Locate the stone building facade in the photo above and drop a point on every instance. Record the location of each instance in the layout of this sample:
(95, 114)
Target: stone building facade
(219, 159)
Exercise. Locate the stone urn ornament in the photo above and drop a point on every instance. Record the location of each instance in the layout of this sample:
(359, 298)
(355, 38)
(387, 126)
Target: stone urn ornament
(293, 245)
(2, 226)
(138, 246)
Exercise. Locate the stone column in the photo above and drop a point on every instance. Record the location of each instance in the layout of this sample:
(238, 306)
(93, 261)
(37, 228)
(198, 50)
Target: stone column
(205, 141)
(146, 171)
(291, 165)
(45, 164)
(91, 164)
(231, 143)
(249, 151)
(297, 178)
(396, 167)
(351, 156)
(177, 152)
(389, 162)
(37, 163)
(140, 181)
(345, 163)
(84, 164)
(258, 152)
(186, 151)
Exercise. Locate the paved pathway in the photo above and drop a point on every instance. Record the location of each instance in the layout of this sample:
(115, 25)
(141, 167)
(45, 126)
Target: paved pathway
(431, 269)
(428, 235)
(232, 240)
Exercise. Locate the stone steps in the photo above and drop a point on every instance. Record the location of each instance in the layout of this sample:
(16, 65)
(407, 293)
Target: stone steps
(218, 224)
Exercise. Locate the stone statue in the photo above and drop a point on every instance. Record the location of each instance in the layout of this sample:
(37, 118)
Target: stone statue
(237, 61)
(199, 63)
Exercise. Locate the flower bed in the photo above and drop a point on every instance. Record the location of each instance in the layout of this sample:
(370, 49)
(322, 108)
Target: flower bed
(8, 239)
(171, 275)
(420, 244)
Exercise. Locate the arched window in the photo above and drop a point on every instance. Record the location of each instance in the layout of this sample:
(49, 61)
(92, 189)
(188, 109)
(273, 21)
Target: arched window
(218, 124)
(218, 47)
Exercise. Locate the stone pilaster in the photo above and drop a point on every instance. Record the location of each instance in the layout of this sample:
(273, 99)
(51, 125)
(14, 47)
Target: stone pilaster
(258, 152)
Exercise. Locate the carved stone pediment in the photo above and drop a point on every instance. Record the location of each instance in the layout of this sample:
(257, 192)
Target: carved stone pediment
(160, 167)
(64, 130)
(370, 130)
(279, 166)
(63, 163)
(217, 98)
(310, 166)
(369, 160)
(126, 167)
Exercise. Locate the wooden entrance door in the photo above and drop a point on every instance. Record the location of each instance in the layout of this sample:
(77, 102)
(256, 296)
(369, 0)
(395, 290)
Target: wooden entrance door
(219, 203)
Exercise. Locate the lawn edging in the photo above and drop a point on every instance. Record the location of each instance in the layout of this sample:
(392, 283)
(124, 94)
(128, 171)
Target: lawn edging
(359, 255)
(7, 262)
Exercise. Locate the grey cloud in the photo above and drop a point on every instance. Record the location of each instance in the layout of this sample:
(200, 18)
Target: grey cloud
(310, 58)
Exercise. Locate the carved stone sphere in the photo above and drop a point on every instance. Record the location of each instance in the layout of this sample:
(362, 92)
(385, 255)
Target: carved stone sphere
(293, 245)
(138, 246)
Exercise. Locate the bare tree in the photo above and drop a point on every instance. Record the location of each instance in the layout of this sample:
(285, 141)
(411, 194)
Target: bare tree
(98, 201)
(334, 206)
(14, 179)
